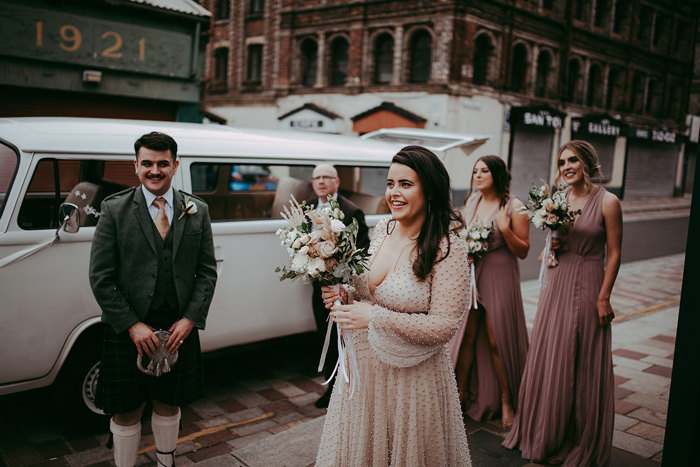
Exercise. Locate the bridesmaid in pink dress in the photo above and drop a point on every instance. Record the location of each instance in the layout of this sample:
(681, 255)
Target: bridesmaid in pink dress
(566, 402)
(490, 348)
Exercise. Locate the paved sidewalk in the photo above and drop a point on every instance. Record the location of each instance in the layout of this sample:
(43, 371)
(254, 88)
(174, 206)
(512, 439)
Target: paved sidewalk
(260, 412)
(655, 208)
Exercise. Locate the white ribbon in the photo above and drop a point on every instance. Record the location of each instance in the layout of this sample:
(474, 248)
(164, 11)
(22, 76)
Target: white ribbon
(472, 284)
(545, 257)
(351, 373)
(20, 255)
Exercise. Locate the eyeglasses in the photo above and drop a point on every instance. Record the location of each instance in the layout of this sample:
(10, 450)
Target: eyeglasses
(325, 178)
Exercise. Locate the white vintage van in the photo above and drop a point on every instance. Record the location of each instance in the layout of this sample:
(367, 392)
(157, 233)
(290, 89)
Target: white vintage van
(50, 328)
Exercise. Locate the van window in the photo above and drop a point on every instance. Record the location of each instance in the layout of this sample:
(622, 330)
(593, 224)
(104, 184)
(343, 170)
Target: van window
(8, 166)
(84, 183)
(254, 191)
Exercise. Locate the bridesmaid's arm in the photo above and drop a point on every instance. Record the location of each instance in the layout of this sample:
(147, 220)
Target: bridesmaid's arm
(516, 233)
(612, 218)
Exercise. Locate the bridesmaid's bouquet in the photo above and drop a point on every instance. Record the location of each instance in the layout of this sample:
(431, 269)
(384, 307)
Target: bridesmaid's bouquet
(548, 208)
(323, 249)
(476, 237)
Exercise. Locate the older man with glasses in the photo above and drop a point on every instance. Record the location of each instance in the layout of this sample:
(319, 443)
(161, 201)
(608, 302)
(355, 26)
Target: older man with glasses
(325, 182)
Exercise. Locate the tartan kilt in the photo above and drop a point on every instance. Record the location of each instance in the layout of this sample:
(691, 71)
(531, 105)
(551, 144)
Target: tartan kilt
(122, 387)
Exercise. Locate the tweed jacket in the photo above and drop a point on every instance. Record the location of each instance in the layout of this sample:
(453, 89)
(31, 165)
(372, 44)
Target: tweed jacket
(124, 261)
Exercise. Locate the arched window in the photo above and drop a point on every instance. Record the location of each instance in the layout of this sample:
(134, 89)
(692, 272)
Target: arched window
(638, 84)
(483, 59)
(601, 13)
(420, 61)
(614, 94)
(578, 9)
(220, 69)
(255, 57)
(573, 88)
(623, 8)
(383, 59)
(595, 86)
(222, 9)
(644, 31)
(518, 70)
(674, 102)
(544, 63)
(339, 61)
(662, 31)
(309, 62)
(653, 98)
(256, 7)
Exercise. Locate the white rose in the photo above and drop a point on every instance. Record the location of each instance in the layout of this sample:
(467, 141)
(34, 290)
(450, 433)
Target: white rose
(337, 226)
(474, 235)
(548, 204)
(484, 234)
(326, 249)
(299, 261)
(297, 244)
(305, 239)
(315, 266)
(304, 250)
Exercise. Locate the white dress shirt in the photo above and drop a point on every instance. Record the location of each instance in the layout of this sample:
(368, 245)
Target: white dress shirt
(153, 209)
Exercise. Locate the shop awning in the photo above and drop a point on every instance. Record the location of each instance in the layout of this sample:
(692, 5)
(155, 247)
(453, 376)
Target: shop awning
(436, 141)
(188, 7)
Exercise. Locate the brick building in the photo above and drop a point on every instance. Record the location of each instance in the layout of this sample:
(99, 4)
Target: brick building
(529, 74)
(102, 58)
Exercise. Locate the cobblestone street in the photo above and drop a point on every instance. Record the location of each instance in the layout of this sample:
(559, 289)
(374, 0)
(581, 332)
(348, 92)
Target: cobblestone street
(259, 410)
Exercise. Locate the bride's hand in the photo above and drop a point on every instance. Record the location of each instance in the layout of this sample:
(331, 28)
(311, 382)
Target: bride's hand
(353, 316)
(330, 295)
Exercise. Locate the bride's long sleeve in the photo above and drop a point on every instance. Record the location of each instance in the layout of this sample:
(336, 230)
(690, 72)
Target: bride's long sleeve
(406, 339)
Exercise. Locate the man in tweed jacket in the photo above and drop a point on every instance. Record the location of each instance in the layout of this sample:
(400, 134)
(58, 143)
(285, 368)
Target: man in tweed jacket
(152, 266)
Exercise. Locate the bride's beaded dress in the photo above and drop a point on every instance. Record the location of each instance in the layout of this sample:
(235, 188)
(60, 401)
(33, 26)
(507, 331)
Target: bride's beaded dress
(406, 411)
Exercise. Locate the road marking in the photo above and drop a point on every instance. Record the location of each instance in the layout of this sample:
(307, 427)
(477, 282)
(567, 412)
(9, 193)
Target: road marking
(648, 310)
(213, 429)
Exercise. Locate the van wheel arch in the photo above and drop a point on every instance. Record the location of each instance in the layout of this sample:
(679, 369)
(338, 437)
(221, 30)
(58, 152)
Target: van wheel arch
(74, 388)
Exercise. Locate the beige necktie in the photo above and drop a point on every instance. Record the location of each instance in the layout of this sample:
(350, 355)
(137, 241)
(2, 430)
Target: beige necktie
(161, 219)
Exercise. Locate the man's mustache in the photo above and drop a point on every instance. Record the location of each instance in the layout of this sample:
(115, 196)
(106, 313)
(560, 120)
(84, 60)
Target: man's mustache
(155, 177)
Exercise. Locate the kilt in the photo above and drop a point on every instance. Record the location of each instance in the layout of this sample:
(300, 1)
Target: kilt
(122, 387)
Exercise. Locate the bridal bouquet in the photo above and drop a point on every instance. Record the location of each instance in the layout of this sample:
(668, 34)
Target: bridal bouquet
(548, 208)
(323, 249)
(476, 237)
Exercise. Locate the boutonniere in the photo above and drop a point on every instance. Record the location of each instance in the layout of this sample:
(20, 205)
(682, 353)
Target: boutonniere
(188, 207)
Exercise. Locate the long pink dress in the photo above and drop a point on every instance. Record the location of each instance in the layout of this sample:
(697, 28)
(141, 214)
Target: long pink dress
(498, 288)
(406, 412)
(568, 380)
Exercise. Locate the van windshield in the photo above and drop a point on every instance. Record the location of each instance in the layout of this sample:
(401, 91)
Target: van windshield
(8, 166)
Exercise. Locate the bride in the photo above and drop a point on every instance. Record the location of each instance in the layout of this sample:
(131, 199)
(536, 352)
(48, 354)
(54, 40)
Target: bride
(405, 310)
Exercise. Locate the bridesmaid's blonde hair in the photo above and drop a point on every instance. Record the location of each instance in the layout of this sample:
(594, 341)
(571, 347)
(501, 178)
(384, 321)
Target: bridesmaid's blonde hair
(589, 157)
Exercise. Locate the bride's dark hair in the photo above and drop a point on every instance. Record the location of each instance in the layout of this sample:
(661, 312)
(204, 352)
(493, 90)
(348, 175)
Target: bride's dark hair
(440, 212)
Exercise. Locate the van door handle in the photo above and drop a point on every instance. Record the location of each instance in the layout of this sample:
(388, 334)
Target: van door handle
(219, 255)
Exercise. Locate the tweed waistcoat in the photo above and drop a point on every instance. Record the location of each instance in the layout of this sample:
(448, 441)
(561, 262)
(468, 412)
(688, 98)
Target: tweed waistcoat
(164, 297)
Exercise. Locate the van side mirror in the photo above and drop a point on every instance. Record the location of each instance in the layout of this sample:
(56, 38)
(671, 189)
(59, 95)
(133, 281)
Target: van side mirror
(69, 215)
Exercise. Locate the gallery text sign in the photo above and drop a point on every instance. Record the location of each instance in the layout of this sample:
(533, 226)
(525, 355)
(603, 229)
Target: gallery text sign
(63, 37)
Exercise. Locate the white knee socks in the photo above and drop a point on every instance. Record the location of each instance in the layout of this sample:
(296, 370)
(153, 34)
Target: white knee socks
(165, 431)
(126, 443)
